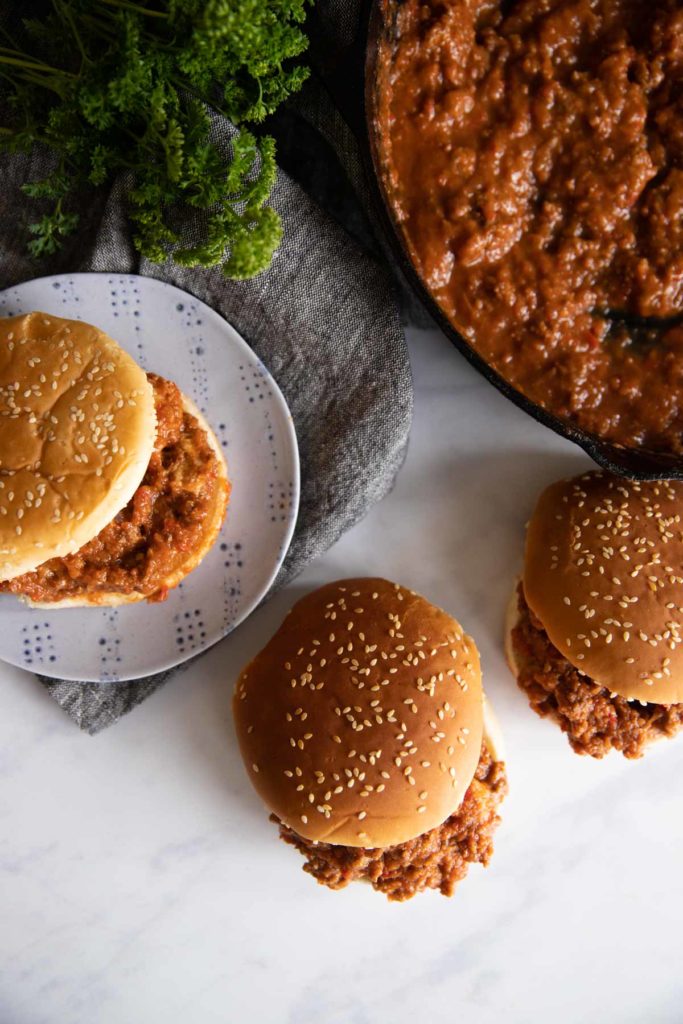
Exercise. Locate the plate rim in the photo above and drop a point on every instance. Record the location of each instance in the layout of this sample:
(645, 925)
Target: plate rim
(290, 433)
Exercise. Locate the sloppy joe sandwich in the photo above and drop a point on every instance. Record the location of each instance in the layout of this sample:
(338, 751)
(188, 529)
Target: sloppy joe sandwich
(364, 728)
(112, 486)
(595, 631)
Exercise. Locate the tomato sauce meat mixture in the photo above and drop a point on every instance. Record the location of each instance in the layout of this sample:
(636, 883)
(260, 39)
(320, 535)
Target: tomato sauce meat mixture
(595, 720)
(439, 859)
(158, 529)
(532, 153)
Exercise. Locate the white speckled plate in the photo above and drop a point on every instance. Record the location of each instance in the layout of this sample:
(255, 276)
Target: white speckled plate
(179, 337)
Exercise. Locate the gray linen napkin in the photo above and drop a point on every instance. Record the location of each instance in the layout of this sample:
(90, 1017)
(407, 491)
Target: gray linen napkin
(324, 319)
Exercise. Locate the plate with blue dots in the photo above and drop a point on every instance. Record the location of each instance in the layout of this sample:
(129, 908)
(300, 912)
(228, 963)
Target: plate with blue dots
(175, 335)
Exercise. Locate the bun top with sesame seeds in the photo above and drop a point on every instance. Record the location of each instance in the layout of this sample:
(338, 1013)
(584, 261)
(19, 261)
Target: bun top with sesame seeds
(361, 721)
(604, 574)
(77, 429)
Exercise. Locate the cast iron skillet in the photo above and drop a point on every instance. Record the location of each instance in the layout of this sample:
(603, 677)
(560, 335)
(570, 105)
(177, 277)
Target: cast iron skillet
(350, 76)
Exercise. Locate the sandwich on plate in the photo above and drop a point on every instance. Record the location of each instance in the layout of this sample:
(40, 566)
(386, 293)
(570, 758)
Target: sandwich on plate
(112, 485)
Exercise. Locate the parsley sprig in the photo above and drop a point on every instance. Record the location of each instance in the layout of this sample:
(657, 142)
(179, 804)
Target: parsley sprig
(112, 86)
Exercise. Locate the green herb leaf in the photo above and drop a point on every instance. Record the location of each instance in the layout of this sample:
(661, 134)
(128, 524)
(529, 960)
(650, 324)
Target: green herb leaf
(253, 244)
(127, 87)
(49, 232)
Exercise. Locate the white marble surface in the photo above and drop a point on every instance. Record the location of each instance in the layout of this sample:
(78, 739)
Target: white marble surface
(141, 881)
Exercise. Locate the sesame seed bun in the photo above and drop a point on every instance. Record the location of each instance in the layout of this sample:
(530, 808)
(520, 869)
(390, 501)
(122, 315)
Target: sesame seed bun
(77, 429)
(604, 574)
(361, 721)
(186, 563)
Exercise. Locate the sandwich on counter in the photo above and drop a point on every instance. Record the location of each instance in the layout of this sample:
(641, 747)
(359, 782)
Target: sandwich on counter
(112, 486)
(364, 729)
(595, 632)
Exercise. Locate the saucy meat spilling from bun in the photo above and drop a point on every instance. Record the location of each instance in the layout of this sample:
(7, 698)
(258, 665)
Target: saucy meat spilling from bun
(364, 728)
(438, 859)
(595, 720)
(112, 486)
(595, 634)
(160, 527)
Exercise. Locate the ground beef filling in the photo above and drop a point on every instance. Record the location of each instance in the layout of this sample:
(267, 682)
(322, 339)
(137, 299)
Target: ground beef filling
(594, 720)
(533, 155)
(436, 860)
(159, 528)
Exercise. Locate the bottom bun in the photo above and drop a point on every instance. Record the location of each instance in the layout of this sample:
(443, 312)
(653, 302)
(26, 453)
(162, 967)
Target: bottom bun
(114, 599)
(492, 736)
(512, 617)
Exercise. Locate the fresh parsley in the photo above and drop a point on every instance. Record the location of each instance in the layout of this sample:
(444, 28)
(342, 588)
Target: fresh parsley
(111, 86)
